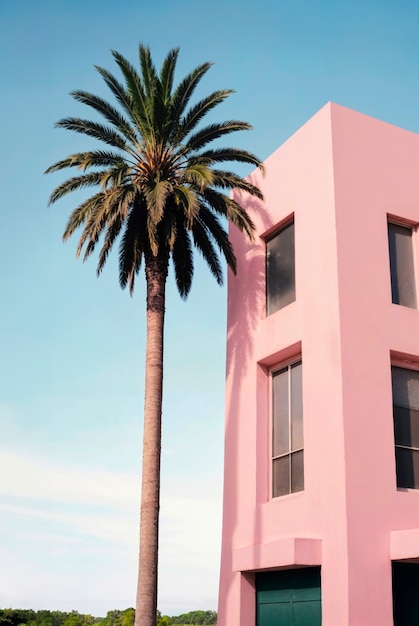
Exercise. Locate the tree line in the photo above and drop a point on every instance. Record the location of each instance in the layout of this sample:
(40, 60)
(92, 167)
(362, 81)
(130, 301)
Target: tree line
(29, 617)
(193, 617)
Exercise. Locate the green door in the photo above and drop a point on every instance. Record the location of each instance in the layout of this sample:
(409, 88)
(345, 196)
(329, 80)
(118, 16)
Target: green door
(289, 598)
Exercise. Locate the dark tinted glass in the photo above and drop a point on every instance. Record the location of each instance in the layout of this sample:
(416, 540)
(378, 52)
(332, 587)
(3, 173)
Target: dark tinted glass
(407, 468)
(405, 385)
(280, 415)
(406, 427)
(296, 407)
(280, 270)
(281, 476)
(297, 471)
(403, 288)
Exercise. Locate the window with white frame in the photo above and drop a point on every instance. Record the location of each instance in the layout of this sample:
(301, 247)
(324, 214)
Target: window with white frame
(402, 268)
(405, 385)
(287, 430)
(280, 269)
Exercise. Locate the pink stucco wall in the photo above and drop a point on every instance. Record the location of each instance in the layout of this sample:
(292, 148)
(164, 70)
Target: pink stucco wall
(339, 175)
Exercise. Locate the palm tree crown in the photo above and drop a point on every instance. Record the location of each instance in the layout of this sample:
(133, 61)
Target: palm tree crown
(159, 184)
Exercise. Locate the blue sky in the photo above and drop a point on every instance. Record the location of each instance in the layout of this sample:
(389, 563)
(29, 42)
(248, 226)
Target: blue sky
(72, 346)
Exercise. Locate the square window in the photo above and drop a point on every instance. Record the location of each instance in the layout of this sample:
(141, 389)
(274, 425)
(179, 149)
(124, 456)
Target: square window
(280, 269)
(402, 269)
(287, 431)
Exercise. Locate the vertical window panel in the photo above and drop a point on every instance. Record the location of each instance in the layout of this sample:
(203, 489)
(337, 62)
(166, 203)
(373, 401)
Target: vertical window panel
(405, 385)
(406, 427)
(407, 468)
(281, 476)
(296, 407)
(280, 269)
(402, 271)
(280, 426)
(287, 431)
(297, 471)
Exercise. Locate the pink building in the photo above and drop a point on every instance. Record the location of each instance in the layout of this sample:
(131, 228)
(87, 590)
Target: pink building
(321, 492)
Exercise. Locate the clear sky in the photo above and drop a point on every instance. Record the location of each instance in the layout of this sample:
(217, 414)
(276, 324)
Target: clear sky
(72, 346)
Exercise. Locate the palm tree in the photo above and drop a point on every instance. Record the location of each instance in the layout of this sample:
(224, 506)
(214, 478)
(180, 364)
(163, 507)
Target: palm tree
(160, 193)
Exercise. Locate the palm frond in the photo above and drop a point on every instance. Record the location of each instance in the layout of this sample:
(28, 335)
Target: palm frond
(118, 91)
(156, 96)
(112, 232)
(141, 108)
(108, 111)
(202, 240)
(229, 180)
(132, 245)
(77, 182)
(81, 214)
(156, 193)
(182, 257)
(219, 235)
(115, 205)
(94, 129)
(198, 174)
(148, 70)
(167, 74)
(230, 209)
(92, 230)
(116, 176)
(168, 228)
(212, 132)
(74, 160)
(231, 154)
(165, 120)
(185, 90)
(199, 110)
(189, 202)
(84, 160)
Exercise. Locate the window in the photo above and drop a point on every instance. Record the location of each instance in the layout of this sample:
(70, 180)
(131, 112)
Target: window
(402, 272)
(280, 269)
(287, 431)
(406, 425)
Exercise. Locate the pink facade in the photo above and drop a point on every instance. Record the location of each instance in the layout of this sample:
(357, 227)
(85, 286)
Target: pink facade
(341, 178)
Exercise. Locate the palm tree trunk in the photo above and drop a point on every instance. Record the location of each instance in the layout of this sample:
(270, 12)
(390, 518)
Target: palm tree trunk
(146, 605)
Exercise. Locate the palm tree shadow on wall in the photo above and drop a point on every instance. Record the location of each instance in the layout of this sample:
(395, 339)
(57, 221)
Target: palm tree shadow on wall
(249, 288)
(244, 314)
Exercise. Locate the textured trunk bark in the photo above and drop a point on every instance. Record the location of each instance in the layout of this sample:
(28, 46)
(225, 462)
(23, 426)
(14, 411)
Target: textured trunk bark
(146, 604)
